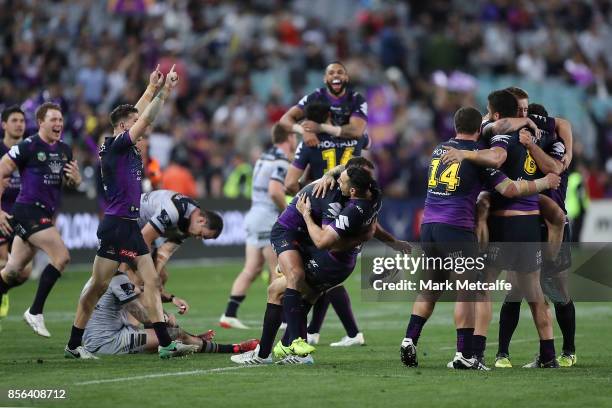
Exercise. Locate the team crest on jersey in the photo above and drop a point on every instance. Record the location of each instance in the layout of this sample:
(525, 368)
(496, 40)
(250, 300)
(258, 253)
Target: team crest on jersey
(55, 166)
(41, 156)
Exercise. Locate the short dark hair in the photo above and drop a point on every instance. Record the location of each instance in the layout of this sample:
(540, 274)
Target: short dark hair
(468, 120)
(359, 161)
(336, 62)
(503, 102)
(120, 113)
(537, 109)
(317, 111)
(519, 93)
(359, 179)
(279, 135)
(6, 113)
(42, 110)
(214, 221)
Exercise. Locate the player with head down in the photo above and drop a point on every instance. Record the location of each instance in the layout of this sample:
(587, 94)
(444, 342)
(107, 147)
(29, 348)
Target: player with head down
(44, 163)
(115, 325)
(120, 237)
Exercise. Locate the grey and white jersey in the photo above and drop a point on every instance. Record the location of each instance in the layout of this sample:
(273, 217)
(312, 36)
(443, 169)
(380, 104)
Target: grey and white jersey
(168, 212)
(271, 165)
(108, 315)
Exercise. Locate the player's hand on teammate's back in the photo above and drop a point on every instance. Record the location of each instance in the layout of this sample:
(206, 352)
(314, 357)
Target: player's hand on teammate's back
(72, 173)
(5, 225)
(453, 155)
(303, 204)
(181, 304)
(554, 181)
(156, 78)
(323, 185)
(525, 137)
(310, 139)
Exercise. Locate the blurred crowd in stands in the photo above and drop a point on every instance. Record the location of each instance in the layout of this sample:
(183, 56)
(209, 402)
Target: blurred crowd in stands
(244, 63)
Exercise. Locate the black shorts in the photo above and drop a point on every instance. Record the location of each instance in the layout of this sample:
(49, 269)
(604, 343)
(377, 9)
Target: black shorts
(29, 219)
(322, 270)
(448, 241)
(564, 260)
(515, 243)
(120, 240)
(284, 239)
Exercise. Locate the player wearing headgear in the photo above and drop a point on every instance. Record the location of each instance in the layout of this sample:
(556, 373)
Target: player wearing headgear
(44, 163)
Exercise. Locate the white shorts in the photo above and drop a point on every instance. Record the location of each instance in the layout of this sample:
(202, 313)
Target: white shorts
(128, 340)
(258, 222)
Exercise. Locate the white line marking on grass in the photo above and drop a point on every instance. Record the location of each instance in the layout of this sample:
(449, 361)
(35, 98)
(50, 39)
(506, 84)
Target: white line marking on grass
(175, 374)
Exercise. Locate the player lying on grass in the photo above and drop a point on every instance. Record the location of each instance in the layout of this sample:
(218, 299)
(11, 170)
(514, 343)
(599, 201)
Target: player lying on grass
(447, 231)
(167, 219)
(329, 253)
(114, 326)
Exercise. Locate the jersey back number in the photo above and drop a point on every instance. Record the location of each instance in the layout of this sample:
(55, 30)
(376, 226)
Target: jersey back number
(449, 175)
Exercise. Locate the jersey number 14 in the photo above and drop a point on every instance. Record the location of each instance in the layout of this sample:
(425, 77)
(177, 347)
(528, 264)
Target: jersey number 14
(329, 155)
(449, 176)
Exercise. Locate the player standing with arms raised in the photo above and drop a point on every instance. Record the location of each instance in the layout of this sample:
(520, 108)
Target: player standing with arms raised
(120, 237)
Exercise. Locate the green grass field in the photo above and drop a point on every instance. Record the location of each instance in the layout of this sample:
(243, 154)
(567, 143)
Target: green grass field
(367, 376)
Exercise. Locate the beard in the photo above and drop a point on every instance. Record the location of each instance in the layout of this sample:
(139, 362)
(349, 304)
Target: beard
(330, 88)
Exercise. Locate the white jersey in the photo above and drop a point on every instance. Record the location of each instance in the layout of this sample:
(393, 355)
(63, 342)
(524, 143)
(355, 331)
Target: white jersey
(109, 316)
(271, 165)
(168, 212)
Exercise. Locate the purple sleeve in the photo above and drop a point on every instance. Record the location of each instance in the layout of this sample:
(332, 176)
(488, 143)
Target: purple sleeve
(20, 153)
(122, 142)
(492, 177)
(556, 150)
(500, 141)
(301, 158)
(360, 107)
(348, 221)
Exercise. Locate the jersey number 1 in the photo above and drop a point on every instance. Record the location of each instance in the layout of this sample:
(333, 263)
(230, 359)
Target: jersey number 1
(329, 155)
(449, 176)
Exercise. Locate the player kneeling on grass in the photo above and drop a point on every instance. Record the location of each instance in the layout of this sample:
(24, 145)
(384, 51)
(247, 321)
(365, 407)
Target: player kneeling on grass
(114, 326)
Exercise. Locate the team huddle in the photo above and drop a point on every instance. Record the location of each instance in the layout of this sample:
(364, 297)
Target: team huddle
(497, 187)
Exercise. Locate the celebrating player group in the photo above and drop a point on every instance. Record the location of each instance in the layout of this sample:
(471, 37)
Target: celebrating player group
(496, 189)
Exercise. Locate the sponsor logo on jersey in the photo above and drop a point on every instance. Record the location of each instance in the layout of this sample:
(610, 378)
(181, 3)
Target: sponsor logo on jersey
(334, 209)
(342, 222)
(41, 156)
(55, 166)
(128, 254)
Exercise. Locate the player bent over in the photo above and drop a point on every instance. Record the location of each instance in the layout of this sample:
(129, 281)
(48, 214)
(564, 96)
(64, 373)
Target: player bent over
(44, 163)
(119, 234)
(114, 326)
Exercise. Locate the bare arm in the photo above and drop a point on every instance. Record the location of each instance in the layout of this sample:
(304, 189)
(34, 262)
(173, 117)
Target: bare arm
(507, 125)
(493, 157)
(276, 191)
(292, 180)
(564, 130)
(519, 188)
(388, 239)
(149, 234)
(322, 238)
(289, 121)
(136, 309)
(545, 162)
(156, 80)
(149, 114)
(352, 130)
(7, 167)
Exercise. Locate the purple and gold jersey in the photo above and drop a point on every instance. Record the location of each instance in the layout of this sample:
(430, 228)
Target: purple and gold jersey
(11, 191)
(452, 189)
(122, 170)
(350, 104)
(555, 148)
(330, 152)
(519, 165)
(323, 210)
(41, 167)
